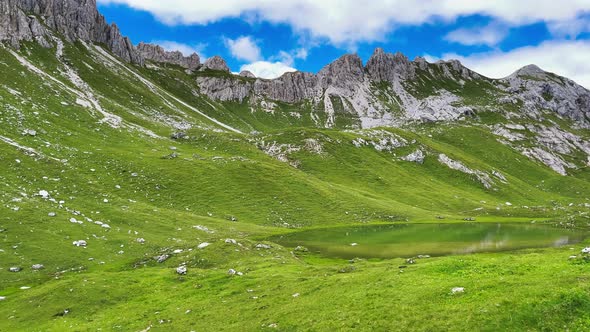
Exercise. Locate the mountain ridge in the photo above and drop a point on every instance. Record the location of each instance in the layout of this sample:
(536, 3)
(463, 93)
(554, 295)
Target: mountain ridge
(389, 90)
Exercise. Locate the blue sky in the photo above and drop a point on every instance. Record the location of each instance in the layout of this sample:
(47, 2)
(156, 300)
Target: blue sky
(270, 37)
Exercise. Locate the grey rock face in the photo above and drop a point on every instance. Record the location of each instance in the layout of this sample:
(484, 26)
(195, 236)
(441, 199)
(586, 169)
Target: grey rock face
(540, 90)
(290, 88)
(246, 73)
(157, 54)
(216, 63)
(343, 72)
(389, 67)
(29, 20)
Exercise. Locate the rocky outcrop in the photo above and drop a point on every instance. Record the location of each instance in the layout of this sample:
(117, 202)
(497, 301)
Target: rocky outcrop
(346, 86)
(539, 90)
(389, 67)
(216, 63)
(346, 71)
(156, 53)
(247, 74)
(39, 20)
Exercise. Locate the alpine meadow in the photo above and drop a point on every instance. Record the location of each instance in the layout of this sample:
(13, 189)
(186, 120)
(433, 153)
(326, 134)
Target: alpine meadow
(143, 189)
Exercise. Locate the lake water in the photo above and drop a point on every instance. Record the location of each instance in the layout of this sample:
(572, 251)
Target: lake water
(409, 240)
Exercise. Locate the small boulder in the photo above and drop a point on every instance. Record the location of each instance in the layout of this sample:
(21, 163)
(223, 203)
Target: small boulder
(15, 269)
(301, 249)
(458, 290)
(181, 270)
(203, 245)
(52, 214)
(140, 240)
(29, 132)
(232, 272)
(80, 243)
(586, 250)
(162, 258)
(37, 267)
(2, 298)
(263, 246)
(178, 135)
(231, 241)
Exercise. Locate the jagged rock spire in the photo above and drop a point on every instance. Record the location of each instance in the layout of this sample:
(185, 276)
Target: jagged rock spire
(37, 20)
(157, 54)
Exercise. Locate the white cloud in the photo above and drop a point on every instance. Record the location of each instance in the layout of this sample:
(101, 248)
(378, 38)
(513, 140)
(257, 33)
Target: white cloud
(489, 35)
(185, 49)
(266, 69)
(345, 22)
(244, 48)
(565, 58)
(570, 28)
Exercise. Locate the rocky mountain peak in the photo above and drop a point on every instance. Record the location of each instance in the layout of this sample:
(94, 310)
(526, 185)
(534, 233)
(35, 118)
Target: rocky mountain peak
(530, 70)
(216, 63)
(40, 20)
(389, 67)
(454, 69)
(157, 54)
(346, 69)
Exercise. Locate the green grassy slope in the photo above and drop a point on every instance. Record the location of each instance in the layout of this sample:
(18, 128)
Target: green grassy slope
(128, 178)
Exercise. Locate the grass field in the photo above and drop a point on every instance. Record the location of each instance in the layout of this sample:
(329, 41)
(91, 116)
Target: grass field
(144, 185)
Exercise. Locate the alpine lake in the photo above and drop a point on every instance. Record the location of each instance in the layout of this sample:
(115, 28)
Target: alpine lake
(411, 240)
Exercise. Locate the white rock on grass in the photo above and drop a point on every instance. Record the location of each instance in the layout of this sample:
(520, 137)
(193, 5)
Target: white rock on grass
(37, 267)
(263, 246)
(458, 290)
(586, 250)
(162, 258)
(140, 240)
(15, 269)
(2, 298)
(75, 221)
(181, 270)
(52, 214)
(203, 245)
(44, 193)
(231, 241)
(415, 157)
(80, 243)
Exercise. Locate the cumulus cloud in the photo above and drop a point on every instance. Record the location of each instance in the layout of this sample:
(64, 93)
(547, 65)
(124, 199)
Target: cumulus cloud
(565, 58)
(570, 28)
(345, 22)
(267, 69)
(243, 48)
(489, 35)
(185, 49)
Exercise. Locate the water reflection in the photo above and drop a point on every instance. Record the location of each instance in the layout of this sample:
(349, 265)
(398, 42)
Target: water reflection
(408, 240)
